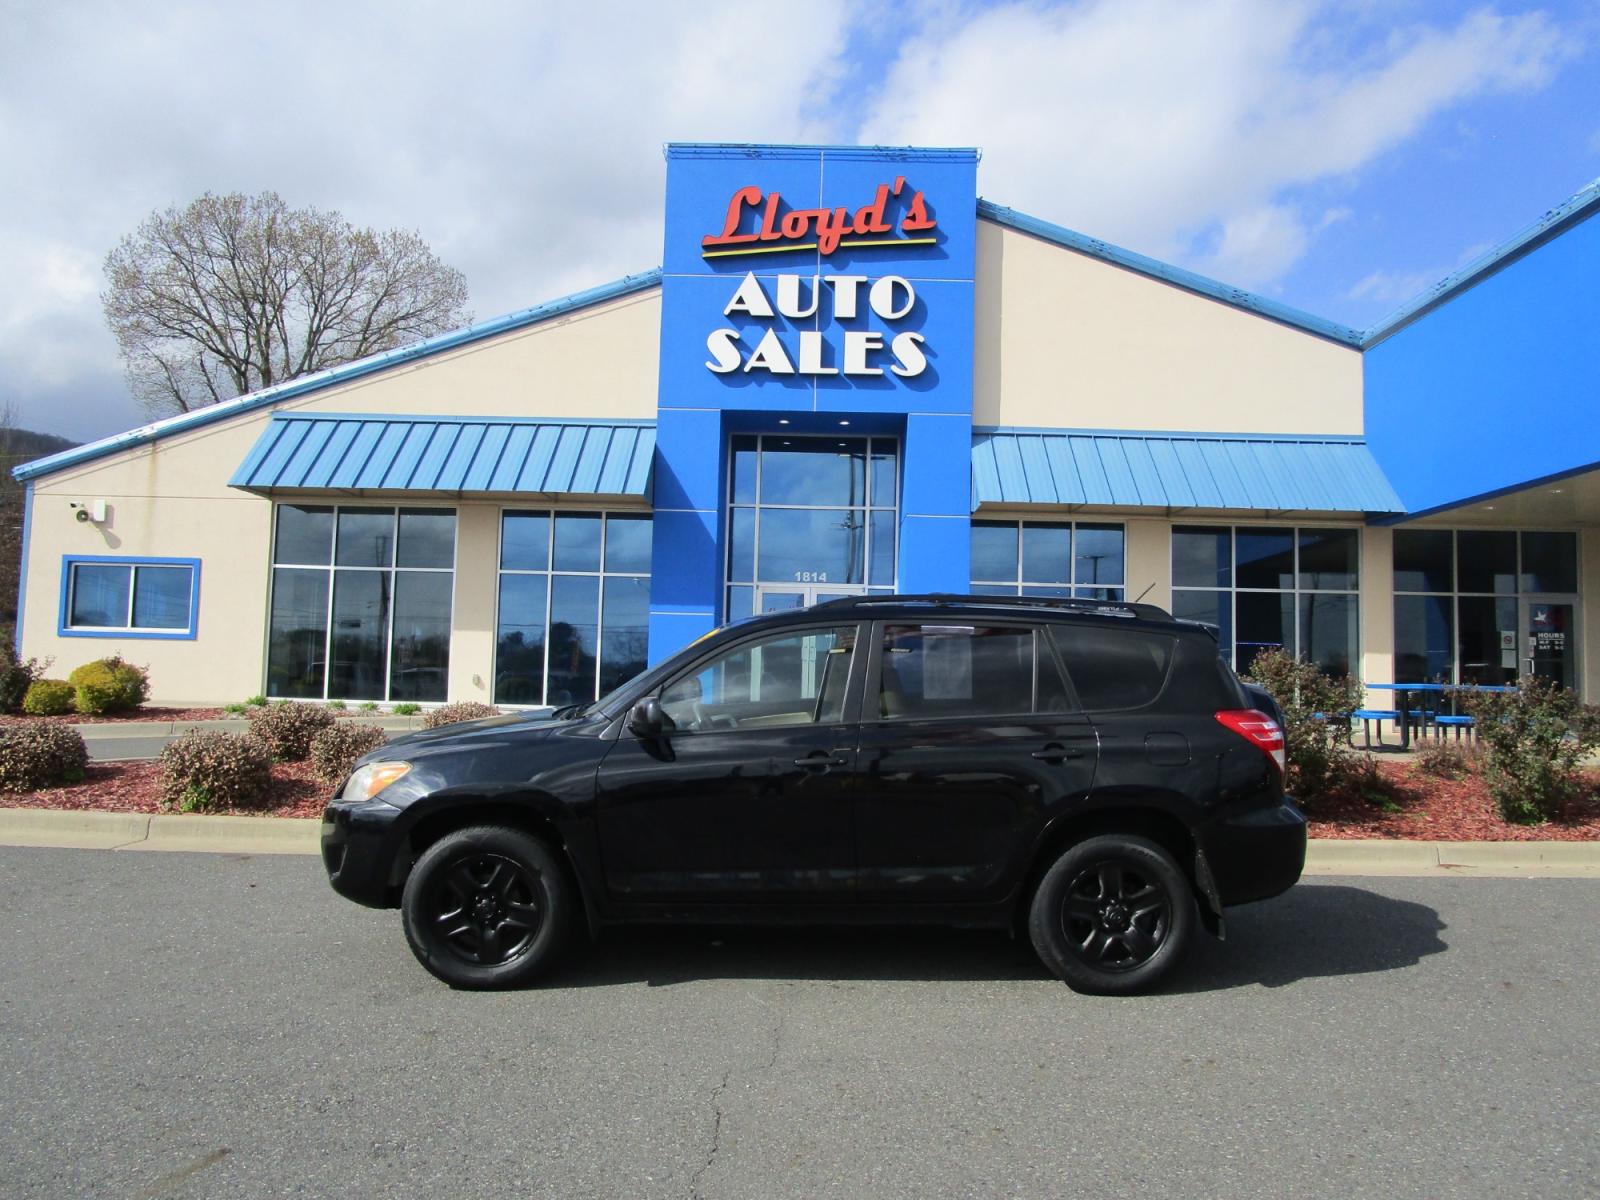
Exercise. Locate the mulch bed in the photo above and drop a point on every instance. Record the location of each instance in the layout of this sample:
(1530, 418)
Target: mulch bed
(1412, 805)
(135, 787)
(138, 714)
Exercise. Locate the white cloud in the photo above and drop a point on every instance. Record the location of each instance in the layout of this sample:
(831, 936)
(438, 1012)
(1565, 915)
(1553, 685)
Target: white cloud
(523, 141)
(1175, 128)
(1401, 287)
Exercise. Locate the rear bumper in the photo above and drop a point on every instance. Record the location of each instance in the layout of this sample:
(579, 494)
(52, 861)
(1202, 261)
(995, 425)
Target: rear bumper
(1255, 854)
(358, 850)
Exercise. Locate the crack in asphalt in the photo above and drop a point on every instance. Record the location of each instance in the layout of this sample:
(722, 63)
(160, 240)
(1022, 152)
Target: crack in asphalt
(717, 1111)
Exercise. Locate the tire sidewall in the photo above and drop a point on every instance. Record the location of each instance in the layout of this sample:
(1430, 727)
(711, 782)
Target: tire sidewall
(530, 853)
(1045, 923)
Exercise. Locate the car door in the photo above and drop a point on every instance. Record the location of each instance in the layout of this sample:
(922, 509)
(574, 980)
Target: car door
(746, 796)
(970, 740)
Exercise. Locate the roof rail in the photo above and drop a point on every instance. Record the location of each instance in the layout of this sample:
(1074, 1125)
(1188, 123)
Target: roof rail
(1149, 612)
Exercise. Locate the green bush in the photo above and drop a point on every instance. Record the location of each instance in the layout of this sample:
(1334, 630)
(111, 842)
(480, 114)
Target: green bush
(235, 710)
(287, 728)
(109, 685)
(1531, 741)
(368, 706)
(17, 675)
(36, 754)
(337, 705)
(1318, 747)
(257, 701)
(406, 709)
(48, 698)
(1442, 759)
(335, 750)
(450, 714)
(207, 769)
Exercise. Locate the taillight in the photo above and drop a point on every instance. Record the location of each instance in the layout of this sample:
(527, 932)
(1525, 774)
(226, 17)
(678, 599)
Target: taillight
(1257, 728)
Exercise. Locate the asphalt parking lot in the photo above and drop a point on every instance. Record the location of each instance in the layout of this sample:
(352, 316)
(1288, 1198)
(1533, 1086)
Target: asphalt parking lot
(182, 1025)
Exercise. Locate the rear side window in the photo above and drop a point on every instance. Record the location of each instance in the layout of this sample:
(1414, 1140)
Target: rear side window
(962, 670)
(1114, 668)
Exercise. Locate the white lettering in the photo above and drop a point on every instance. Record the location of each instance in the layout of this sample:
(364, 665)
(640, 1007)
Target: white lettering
(749, 299)
(844, 294)
(909, 355)
(789, 297)
(770, 356)
(882, 297)
(724, 354)
(856, 345)
(811, 354)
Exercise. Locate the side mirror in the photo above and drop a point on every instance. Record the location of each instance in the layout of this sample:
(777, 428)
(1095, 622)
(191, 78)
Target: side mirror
(647, 719)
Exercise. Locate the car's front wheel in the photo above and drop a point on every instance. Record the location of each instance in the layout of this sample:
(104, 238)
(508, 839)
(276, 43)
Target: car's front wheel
(1112, 915)
(487, 907)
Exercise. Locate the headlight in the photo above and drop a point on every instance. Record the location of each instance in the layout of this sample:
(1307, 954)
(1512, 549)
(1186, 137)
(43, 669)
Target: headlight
(371, 779)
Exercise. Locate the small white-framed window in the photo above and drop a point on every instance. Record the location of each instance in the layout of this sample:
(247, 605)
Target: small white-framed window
(103, 596)
(1048, 558)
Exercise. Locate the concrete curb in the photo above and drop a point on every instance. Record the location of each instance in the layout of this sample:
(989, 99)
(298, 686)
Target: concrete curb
(300, 835)
(91, 730)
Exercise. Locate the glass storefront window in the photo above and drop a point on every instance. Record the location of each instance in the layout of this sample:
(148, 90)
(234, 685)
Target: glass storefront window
(1268, 588)
(574, 604)
(1047, 558)
(809, 517)
(1457, 596)
(361, 600)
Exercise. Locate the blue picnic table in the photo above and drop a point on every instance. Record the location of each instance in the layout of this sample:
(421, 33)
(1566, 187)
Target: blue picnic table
(1403, 711)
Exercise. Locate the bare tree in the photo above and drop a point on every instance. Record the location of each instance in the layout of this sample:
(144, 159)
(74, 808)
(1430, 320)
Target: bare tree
(235, 293)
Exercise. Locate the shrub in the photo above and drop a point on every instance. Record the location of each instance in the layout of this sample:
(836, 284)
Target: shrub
(1318, 747)
(35, 754)
(449, 714)
(287, 728)
(236, 710)
(257, 701)
(336, 705)
(1442, 760)
(48, 698)
(1532, 741)
(368, 706)
(109, 685)
(334, 750)
(17, 675)
(206, 769)
(406, 709)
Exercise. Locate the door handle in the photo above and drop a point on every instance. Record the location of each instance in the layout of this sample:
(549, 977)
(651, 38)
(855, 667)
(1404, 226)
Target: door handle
(821, 760)
(1055, 752)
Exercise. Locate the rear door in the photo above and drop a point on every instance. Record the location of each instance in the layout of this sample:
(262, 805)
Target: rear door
(970, 738)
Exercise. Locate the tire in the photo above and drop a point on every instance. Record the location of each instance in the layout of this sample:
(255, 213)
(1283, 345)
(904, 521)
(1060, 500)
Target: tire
(488, 907)
(1112, 915)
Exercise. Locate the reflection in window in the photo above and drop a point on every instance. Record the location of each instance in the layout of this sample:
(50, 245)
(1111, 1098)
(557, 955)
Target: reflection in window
(574, 605)
(1268, 588)
(956, 671)
(361, 602)
(795, 678)
(1047, 558)
(154, 597)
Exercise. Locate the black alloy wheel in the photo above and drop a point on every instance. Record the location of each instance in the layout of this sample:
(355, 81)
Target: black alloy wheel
(486, 907)
(1112, 915)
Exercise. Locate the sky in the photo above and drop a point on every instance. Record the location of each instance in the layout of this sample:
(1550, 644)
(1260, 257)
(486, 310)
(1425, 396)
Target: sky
(1336, 156)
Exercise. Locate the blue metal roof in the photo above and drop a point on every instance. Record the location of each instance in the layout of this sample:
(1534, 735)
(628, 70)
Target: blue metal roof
(461, 455)
(336, 375)
(1178, 470)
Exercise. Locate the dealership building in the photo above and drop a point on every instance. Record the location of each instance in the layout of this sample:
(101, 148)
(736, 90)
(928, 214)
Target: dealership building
(851, 374)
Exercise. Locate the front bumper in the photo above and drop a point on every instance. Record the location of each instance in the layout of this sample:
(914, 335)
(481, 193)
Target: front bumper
(359, 845)
(1256, 853)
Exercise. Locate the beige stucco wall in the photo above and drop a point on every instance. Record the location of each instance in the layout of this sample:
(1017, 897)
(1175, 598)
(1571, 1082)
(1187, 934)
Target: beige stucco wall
(1377, 606)
(1065, 340)
(170, 498)
(1589, 616)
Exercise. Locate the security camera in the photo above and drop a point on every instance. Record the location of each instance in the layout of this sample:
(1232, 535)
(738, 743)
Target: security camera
(82, 514)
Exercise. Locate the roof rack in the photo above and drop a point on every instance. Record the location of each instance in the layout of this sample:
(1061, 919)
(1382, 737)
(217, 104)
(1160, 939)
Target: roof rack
(1110, 608)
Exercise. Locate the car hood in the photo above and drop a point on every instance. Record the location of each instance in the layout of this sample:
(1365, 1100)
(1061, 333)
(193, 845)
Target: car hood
(462, 734)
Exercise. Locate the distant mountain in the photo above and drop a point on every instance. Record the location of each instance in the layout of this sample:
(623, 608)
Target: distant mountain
(23, 445)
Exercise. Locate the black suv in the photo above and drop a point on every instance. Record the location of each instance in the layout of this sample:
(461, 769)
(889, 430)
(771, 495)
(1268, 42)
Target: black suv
(1093, 773)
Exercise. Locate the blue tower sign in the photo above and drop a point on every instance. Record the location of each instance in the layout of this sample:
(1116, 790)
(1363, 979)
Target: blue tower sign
(811, 293)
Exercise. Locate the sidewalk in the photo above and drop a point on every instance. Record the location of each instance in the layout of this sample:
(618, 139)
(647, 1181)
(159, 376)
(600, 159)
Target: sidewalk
(289, 835)
(114, 741)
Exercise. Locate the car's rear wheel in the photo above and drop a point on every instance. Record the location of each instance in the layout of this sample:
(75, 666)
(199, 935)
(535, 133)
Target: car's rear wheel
(487, 907)
(1112, 915)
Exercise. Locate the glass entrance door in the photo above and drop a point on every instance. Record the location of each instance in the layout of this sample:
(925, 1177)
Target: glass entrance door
(1550, 638)
(781, 599)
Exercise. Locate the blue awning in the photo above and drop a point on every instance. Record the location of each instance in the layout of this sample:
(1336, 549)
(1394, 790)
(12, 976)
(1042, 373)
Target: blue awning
(1178, 471)
(458, 455)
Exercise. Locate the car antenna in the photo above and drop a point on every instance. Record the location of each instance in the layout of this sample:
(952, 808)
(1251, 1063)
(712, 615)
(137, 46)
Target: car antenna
(1144, 593)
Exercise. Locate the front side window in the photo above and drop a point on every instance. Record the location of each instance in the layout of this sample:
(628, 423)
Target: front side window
(957, 670)
(1047, 558)
(152, 598)
(361, 602)
(1271, 588)
(796, 678)
(574, 604)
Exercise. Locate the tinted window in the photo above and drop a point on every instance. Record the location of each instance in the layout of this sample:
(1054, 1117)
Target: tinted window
(1549, 562)
(1114, 668)
(1488, 560)
(795, 678)
(954, 671)
(1051, 695)
(1422, 560)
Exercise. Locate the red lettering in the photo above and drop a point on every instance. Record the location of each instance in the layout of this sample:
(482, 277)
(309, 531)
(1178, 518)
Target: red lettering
(917, 219)
(869, 218)
(769, 219)
(831, 225)
(730, 235)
